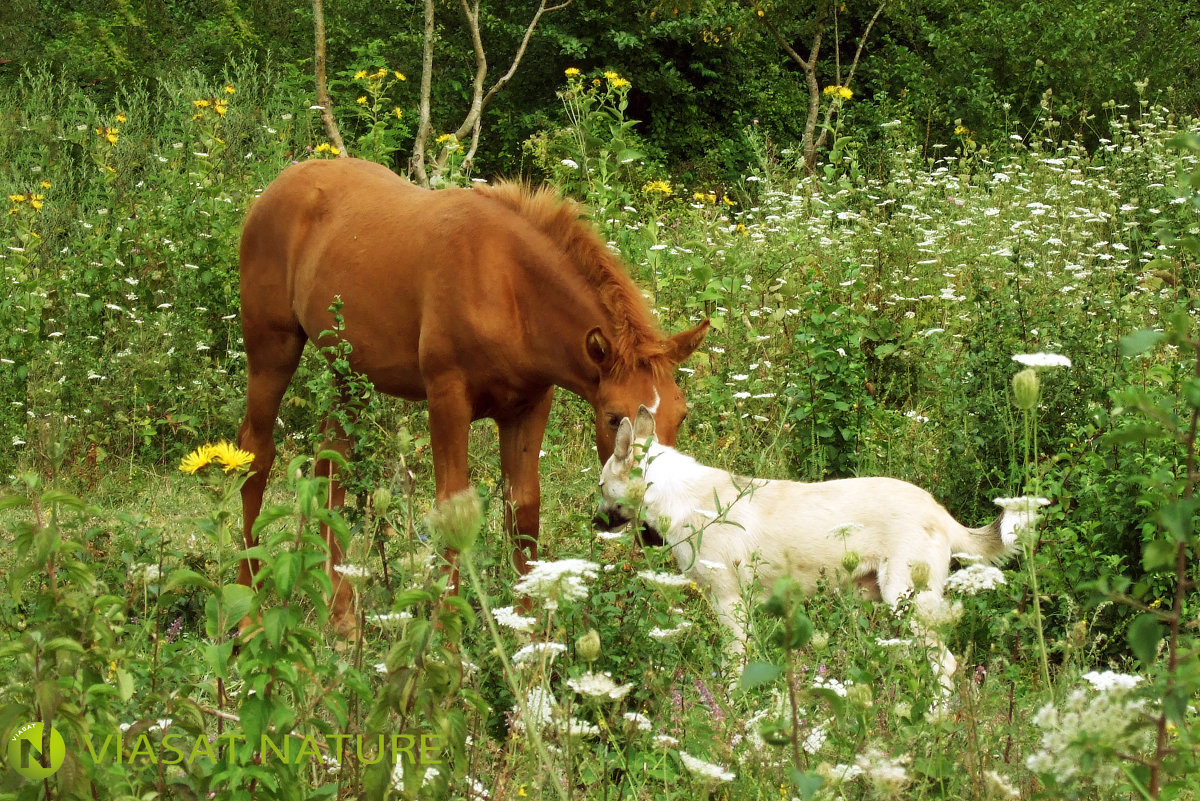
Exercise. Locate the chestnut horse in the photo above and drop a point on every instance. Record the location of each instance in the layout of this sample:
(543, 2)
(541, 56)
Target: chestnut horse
(480, 301)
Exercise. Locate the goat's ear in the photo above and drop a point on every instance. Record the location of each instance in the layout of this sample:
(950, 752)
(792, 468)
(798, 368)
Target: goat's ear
(643, 426)
(624, 440)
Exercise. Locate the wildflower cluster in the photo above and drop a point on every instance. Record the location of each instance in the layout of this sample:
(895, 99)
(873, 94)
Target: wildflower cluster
(27, 200)
(558, 581)
(841, 92)
(228, 456)
(1104, 720)
(325, 147)
(377, 85)
(658, 188)
(212, 105)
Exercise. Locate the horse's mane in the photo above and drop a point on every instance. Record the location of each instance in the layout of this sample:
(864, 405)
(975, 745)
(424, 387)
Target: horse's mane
(638, 341)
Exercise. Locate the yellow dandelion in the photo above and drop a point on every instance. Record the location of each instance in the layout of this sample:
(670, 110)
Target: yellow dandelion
(845, 92)
(572, 72)
(17, 198)
(196, 460)
(121, 117)
(362, 101)
(444, 138)
(221, 107)
(45, 184)
(619, 82)
(201, 103)
(657, 187)
(229, 89)
(111, 137)
(400, 76)
(961, 130)
(399, 112)
(36, 202)
(831, 89)
(610, 75)
(358, 76)
(231, 457)
(380, 73)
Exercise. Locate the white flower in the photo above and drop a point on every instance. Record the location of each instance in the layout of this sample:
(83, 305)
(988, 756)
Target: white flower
(1001, 785)
(816, 738)
(886, 773)
(640, 721)
(352, 571)
(574, 165)
(537, 649)
(599, 685)
(558, 581)
(1042, 360)
(704, 769)
(1109, 681)
(538, 711)
(506, 616)
(842, 773)
(391, 617)
(822, 683)
(670, 635)
(665, 741)
(974, 579)
(574, 727)
(665, 580)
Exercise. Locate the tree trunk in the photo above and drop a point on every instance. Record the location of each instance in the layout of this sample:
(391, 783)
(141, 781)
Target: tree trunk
(323, 99)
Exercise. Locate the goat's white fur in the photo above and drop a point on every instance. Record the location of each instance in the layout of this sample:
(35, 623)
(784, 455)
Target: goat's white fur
(728, 532)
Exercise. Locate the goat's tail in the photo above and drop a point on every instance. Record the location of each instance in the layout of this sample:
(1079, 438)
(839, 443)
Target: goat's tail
(994, 541)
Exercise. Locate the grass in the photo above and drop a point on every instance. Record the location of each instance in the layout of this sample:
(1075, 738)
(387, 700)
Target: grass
(864, 324)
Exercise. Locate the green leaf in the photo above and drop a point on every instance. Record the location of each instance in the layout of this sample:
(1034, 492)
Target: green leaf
(758, 673)
(184, 577)
(1176, 518)
(284, 571)
(236, 602)
(1144, 635)
(806, 784)
(124, 684)
(1159, 555)
(1140, 341)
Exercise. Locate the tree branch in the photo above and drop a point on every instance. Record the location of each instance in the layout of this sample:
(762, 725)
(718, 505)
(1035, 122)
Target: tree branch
(323, 99)
(418, 153)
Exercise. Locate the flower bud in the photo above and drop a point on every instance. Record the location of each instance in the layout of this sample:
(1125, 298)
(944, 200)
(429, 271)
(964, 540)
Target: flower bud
(587, 647)
(381, 499)
(920, 576)
(1025, 387)
(455, 522)
(850, 561)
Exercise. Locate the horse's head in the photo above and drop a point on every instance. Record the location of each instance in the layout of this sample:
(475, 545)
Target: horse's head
(651, 384)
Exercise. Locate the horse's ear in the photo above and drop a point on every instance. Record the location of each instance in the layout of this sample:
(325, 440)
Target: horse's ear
(598, 349)
(643, 426)
(624, 440)
(684, 344)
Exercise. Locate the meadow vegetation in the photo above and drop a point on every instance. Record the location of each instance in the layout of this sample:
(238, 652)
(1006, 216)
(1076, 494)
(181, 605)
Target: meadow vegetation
(866, 319)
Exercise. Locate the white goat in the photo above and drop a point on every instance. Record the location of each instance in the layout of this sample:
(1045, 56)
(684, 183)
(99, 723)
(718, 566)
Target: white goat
(728, 533)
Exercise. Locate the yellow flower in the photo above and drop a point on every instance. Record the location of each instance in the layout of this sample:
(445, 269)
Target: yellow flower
(381, 73)
(444, 138)
(231, 457)
(201, 103)
(221, 107)
(358, 76)
(229, 89)
(399, 112)
(17, 198)
(196, 460)
(845, 92)
(728, 201)
(36, 202)
(572, 72)
(362, 101)
(619, 82)
(111, 137)
(961, 130)
(121, 117)
(660, 187)
(610, 75)
(400, 76)
(45, 184)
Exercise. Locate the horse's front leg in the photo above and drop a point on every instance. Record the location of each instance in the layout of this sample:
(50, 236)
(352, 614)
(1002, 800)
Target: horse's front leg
(450, 415)
(520, 445)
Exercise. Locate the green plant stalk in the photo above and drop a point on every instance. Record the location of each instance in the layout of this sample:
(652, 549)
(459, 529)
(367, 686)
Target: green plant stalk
(509, 676)
(1032, 483)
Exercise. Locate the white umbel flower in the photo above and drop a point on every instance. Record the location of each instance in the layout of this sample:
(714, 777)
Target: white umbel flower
(1042, 360)
(599, 685)
(706, 770)
(974, 579)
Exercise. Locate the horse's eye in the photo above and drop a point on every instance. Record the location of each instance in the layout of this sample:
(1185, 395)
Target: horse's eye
(614, 421)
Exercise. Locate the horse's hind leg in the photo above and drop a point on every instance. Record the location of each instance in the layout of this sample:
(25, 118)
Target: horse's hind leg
(341, 606)
(271, 357)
